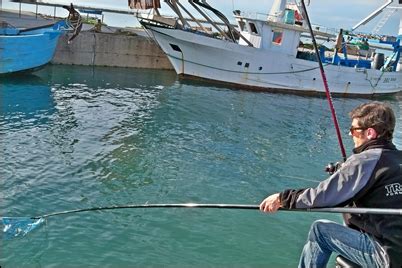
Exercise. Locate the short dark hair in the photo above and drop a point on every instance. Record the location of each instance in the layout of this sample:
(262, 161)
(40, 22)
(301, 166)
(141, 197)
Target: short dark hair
(377, 115)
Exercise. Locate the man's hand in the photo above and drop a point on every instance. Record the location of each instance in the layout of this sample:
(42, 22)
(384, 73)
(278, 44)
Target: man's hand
(271, 204)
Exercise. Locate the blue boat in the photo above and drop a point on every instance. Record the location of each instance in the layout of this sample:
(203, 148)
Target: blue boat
(29, 49)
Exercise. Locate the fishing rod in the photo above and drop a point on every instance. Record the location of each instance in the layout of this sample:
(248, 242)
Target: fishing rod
(324, 80)
(20, 226)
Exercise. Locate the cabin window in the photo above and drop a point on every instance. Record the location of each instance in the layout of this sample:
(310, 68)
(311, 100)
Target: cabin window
(239, 63)
(247, 65)
(242, 26)
(277, 37)
(253, 28)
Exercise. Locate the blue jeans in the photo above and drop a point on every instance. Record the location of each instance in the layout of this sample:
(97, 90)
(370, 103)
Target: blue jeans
(327, 237)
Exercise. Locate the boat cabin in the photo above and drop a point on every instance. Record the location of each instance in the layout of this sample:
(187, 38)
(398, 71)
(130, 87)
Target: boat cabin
(283, 34)
(272, 35)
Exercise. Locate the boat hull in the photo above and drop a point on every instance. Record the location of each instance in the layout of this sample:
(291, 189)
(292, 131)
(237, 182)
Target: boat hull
(28, 50)
(196, 55)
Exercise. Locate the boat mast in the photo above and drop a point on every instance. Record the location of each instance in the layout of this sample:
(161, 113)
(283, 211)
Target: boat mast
(395, 5)
(192, 17)
(204, 4)
(222, 17)
(372, 15)
(209, 20)
(399, 66)
(277, 11)
(172, 4)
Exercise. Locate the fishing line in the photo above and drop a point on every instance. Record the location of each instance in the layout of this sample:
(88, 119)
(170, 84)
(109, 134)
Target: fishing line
(324, 80)
(21, 226)
(297, 178)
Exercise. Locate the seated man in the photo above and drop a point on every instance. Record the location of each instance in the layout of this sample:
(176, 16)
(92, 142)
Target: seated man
(370, 178)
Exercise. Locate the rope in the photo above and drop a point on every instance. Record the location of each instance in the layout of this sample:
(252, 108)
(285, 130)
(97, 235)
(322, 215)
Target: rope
(241, 72)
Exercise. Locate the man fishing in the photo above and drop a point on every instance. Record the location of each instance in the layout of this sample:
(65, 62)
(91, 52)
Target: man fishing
(370, 178)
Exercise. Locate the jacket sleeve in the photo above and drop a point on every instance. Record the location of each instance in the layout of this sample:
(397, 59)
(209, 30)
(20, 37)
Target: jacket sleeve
(341, 187)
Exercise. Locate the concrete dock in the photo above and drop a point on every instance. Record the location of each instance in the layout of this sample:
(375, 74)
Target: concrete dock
(111, 49)
(115, 47)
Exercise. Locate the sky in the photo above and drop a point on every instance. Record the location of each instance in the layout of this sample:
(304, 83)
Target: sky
(333, 14)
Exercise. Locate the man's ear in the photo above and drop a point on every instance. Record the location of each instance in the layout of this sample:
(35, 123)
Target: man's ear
(371, 133)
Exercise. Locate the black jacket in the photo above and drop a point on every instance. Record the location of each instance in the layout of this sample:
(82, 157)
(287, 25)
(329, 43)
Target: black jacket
(371, 178)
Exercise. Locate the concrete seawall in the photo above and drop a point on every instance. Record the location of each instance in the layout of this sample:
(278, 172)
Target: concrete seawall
(115, 47)
(111, 49)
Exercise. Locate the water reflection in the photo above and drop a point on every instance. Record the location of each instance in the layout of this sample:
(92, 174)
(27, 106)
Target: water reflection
(119, 136)
(26, 110)
(101, 117)
(104, 77)
(25, 101)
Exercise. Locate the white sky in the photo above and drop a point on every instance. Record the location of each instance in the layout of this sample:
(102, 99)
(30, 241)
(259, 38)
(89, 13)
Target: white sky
(333, 14)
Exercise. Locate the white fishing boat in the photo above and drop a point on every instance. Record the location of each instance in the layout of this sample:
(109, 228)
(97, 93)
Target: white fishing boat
(266, 53)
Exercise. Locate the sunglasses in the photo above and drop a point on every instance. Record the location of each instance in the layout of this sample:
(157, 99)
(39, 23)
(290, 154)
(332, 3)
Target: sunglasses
(352, 129)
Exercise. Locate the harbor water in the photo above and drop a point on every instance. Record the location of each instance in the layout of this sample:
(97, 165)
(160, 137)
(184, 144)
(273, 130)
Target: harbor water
(79, 137)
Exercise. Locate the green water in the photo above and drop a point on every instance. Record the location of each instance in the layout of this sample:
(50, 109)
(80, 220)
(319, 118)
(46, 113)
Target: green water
(77, 137)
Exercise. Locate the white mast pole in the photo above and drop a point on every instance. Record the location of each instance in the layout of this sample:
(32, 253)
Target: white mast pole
(277, 10)
(399, 66)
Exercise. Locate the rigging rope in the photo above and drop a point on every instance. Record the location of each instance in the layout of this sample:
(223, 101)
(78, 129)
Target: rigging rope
(242, 72)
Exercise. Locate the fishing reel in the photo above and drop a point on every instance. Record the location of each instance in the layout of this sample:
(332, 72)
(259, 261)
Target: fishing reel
(331, 168)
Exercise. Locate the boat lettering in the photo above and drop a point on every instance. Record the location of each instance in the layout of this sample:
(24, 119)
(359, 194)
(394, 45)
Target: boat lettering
(389, 80)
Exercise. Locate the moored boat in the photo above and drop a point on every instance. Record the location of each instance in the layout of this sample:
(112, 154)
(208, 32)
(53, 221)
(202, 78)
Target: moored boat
(32, 48)
(27, 50)
(266, 54)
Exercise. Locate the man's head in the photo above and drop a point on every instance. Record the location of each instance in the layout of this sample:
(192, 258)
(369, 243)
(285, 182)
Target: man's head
(371, 121)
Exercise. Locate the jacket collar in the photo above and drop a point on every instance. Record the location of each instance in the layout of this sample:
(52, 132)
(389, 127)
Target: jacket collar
(373, 144)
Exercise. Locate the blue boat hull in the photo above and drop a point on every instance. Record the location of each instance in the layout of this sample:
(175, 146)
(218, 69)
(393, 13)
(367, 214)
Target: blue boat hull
(27, 50)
